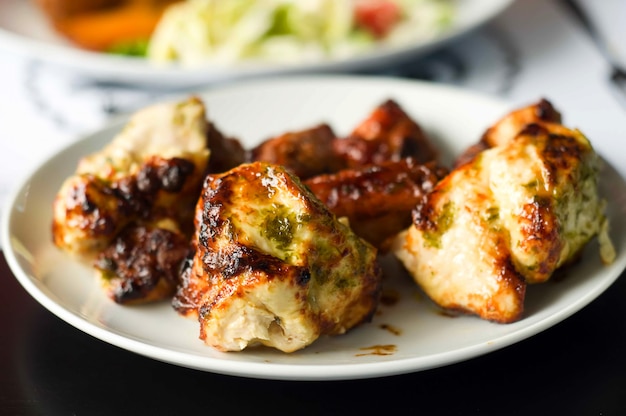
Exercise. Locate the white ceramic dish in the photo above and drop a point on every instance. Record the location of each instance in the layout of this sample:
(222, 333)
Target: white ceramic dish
(425, 338)
(24, 30)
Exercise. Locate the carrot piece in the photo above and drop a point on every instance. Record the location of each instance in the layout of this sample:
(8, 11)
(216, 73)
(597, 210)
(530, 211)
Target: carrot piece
(104, 29)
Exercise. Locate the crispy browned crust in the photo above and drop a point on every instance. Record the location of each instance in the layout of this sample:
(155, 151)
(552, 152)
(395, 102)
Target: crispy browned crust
(538, 113)
(388, 133)
(539, 223)
(378, 199)
(101, 208)
(507, 127)
(142, 264)
(305, 153)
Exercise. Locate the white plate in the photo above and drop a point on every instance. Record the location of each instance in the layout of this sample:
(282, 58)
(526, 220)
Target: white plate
(24, 30)
(426, 338)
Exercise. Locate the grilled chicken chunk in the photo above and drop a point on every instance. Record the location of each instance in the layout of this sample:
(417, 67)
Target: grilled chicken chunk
(130, 207)
(377, 200)
(388, 133)
(156, 164)
(373, 177)
(272, 265)
(510, 217)
(306, 153)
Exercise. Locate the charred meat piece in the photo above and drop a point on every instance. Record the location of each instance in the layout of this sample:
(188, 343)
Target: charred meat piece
(508, 126)
(306, 153)
(272, 265)
(509, 217)
(154, 167)
(131, 205)
(90, 212)
(143, 263)
(377, 200)
(387, 134)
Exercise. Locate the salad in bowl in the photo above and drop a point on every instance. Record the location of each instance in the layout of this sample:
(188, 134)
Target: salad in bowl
(195, 32)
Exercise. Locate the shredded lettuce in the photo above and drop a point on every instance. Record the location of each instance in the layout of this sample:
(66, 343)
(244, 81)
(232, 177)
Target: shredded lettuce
(199, 31)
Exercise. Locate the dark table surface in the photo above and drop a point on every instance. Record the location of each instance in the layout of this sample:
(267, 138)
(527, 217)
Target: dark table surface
(48, 367)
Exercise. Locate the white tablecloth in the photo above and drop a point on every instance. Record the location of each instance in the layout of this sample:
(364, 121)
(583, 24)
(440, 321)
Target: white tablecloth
(534, 49)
